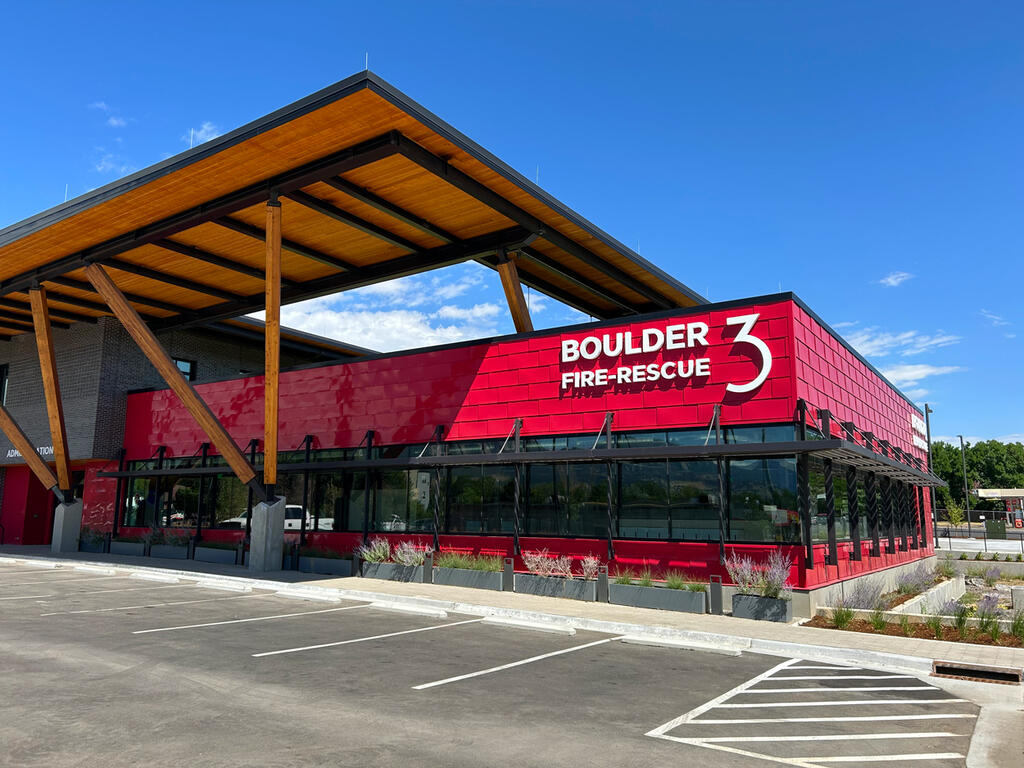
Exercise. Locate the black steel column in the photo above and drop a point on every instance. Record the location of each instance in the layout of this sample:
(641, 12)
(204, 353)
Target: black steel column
(159, 500)
(803, 505)
(253, 445)
(912, 515)
(722, 510)
(517, 469)
(307, 445)
(887, 515)
(871, 496)
(901, 511)
(201, 504)
(922, 517)
(853, 502)
(367, 483)
(119, 493)
(608, 418)
(438, 436)
(830, 511)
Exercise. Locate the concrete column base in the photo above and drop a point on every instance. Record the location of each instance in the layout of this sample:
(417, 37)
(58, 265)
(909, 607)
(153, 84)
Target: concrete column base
(67, 527)
(266, 545)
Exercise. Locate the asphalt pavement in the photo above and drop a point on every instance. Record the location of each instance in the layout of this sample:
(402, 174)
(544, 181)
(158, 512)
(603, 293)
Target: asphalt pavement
(99, 667)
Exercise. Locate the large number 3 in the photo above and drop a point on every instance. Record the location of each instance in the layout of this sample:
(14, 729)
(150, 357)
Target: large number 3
(747, 323)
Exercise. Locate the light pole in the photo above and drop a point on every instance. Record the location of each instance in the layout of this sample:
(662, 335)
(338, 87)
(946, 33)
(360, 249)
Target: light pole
(967, 494)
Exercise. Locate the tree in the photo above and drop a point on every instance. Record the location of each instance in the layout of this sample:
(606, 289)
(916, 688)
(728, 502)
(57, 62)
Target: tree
(955, 513)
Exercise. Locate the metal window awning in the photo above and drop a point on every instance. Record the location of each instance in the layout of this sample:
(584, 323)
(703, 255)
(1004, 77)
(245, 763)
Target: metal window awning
(841, 451)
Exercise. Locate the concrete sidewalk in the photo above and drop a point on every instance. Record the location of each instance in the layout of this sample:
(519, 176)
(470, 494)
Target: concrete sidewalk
(724, 631)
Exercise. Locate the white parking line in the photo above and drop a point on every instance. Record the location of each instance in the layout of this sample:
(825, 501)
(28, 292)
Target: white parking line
(513, 664)
(61, 581)
(848, 677)
(126, 589)
(150, 605)
(843, 690)
(364, 639)
(851, 703)
(828, 737)
(661, 730)
(950, 716)
(886, 758)
(824, 666)
(24, 597)
(243, 621)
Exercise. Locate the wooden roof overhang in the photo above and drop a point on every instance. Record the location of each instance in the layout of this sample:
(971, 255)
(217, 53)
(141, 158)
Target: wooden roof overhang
(372, 187)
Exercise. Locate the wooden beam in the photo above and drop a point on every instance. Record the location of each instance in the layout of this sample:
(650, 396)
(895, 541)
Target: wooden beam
(514, 294)
(20, 441)
(150, 347)
(51, 385)
(272, 342)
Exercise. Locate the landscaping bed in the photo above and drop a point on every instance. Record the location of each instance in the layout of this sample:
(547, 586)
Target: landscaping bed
(950, 634)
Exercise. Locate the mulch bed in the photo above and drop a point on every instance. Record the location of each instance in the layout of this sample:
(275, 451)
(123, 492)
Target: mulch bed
(923, 631)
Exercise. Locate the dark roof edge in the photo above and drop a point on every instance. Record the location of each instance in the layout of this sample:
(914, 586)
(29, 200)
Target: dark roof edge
(298, 335)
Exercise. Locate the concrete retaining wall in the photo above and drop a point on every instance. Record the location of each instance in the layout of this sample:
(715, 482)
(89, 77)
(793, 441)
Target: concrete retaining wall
(950, 589)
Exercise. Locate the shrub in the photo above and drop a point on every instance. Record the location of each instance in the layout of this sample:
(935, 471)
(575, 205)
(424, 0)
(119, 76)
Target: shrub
(914, 582)
(743, 574)
(866, 595)
(408, 553)
(1019, 558)
(905, 624)
(978, 556)
(645, 579)
(877, 620)
(935, 625)
(624, 576)
(775, 577)
(175, 539)
(450, 559)
(963, 556)
(562, 566)
(991, 576)
(589, 566)
(675, 580)
(944, 568)
(376, 550)
(959, 613)
(842, 615)
(696, 586)
(988, 615)
(538, 562)
(1017, 624)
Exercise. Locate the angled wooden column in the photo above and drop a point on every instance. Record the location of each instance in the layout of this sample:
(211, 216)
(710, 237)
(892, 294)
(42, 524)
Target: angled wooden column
(51, 386)
(272, 344)
(514, 293)
(150, 347)
(20, 441)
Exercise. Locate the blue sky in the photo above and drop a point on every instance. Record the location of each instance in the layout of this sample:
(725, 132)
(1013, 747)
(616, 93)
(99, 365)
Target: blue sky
(867, 156)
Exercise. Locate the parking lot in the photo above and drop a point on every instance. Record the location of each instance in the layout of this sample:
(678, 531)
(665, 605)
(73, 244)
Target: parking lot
(106, 668)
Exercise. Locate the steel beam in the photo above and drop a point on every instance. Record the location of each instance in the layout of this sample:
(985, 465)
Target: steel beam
(288, 245)
(377, 202)
(350, 220)
(134, 298)
(61, 315)
(223, 262)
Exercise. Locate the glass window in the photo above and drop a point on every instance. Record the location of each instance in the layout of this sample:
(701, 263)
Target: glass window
(769, 434)
(588, 500)
(187, 368)
(762, 500)
(547, 509)
(3, 384)
(644, 513)
(480, 499)
(228, 505)
(693, 498)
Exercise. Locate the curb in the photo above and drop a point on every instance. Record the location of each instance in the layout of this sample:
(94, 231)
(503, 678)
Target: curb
(917, 665)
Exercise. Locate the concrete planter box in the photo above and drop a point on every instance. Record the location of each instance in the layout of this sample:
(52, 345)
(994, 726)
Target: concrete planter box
(392, 572)
(465, 577)
(215, 555)
(90, 546)
(168, 551)
(762, 608)
(658, 597)
(330, 565)
(135, 548)
(555, 586)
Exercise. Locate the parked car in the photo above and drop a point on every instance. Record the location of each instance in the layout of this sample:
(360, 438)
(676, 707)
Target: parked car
(293, 514)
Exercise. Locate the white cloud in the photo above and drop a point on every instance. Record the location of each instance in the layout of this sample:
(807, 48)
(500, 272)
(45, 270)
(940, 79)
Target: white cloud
(995, 319)
(874, 342)
(100, 105)
(195, 136)
(916, 394)
(111, 163)
(906, 375)
(116, 122)
(1015, 437)
(895, 278)
(1010, 335)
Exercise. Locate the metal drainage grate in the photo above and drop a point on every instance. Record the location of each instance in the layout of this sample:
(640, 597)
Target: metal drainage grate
(977, 672)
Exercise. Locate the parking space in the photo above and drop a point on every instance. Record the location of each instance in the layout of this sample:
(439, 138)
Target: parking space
(129, 671)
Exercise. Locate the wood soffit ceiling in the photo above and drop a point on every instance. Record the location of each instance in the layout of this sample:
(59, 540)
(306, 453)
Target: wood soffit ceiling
(372, 187)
